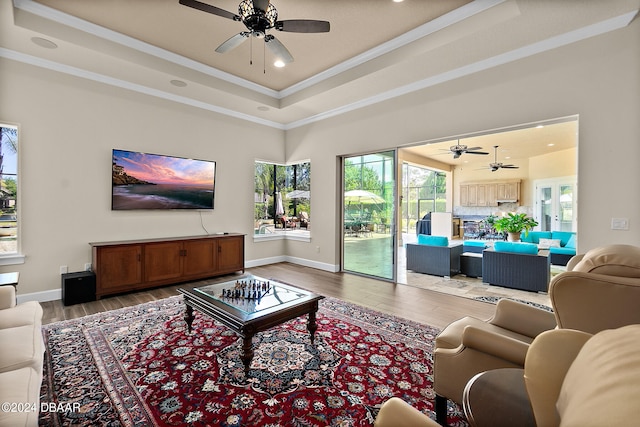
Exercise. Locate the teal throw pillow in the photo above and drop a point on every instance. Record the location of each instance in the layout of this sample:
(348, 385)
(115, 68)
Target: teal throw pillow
(516, 247)
(425, 239)
(571, 243)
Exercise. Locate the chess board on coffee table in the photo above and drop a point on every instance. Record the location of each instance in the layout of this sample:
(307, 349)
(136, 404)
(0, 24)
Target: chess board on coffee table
(249, 305)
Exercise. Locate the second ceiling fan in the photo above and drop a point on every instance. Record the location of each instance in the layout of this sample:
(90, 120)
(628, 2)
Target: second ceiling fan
(259, 16)
(498, 165)
(458, 150)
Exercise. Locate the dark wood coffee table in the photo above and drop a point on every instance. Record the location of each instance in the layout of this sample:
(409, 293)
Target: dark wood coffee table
(248, 316)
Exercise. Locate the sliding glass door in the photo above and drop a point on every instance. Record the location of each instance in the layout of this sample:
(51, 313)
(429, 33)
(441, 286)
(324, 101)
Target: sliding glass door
(368, 222)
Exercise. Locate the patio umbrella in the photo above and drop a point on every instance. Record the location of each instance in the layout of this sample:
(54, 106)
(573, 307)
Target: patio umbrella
(279, 207)
(298, 194)
(363, 197)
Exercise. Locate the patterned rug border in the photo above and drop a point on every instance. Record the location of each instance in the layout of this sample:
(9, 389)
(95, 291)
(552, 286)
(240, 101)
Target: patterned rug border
(494, 300)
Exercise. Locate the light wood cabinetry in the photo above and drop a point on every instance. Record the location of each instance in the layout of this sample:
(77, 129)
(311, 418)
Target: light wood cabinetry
(464, 195)
(508, 191)
(489, 193)
(133, 265)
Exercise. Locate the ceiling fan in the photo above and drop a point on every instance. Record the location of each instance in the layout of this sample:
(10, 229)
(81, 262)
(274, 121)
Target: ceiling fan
(458, 150)
(259, 16)
(497, 165)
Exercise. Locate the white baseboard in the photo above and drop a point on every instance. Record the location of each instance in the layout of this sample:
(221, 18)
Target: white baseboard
(265, 261)
(293, 260)
(56, 294)
(43, 296)
(313, 264)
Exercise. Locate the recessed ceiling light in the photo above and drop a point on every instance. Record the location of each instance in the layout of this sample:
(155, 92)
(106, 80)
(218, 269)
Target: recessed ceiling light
(539, 126)
(398, 1)
(178, 83)
(550, 145)
(47, 44)
(279, 63)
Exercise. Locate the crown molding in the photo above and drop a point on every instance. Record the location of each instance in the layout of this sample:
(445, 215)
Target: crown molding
(437, 24)
(514, 55)
(479, 5)
(101, 78)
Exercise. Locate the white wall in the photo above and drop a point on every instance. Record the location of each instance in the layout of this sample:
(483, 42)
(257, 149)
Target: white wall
(597, 79)
(69, 126)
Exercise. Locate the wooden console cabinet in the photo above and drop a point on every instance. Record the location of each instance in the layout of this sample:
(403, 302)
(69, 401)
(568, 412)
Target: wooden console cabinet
(138, 264)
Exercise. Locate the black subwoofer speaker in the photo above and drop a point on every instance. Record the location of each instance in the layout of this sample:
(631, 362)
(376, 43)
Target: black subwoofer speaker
(78, 287)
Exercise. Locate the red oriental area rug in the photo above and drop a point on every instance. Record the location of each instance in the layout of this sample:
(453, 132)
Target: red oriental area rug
(138, 367)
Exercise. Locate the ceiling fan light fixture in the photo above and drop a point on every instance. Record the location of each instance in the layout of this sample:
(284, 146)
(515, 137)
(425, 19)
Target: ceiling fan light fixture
(279, 63)
(260, 16)
(253, 17)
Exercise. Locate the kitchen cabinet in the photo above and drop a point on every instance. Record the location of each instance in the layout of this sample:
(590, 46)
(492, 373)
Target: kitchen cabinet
(133, 265)
(508, 191)
(489, 193)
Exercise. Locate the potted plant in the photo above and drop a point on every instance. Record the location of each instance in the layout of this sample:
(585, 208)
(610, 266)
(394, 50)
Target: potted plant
(490, 220)
(513, 224)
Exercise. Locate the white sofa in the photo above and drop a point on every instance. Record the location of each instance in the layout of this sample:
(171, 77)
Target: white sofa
(21, 359)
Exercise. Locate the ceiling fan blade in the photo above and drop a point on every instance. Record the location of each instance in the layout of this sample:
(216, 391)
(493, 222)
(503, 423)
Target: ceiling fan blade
(262, 5)
(233, 42)
(209, 9)
(278, 49)
(510, 167)
(476, 152)
(303, 26)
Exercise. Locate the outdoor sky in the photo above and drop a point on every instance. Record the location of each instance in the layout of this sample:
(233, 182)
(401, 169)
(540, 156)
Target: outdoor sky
(164, 169)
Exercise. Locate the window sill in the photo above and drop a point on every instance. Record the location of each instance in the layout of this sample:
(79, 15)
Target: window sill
(12, 259)
(281, 236)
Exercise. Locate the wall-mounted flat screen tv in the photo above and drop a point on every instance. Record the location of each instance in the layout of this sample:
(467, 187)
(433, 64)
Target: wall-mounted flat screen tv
(153, 181)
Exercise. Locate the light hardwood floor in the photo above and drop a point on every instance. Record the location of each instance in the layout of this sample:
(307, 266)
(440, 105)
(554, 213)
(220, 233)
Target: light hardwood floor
(422, 305)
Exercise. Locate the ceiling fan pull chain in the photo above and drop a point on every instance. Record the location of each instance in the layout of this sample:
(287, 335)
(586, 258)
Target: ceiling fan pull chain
(264, 58)
(250, 49)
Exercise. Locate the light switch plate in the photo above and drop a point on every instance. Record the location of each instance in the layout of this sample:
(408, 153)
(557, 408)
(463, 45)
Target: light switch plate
(619, 223)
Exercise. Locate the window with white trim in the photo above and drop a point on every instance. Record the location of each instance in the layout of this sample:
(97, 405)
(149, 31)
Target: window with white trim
(282, 200)
(8, 190)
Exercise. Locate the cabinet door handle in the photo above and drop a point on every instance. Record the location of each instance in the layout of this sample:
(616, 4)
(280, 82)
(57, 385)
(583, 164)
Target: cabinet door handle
(219, 249)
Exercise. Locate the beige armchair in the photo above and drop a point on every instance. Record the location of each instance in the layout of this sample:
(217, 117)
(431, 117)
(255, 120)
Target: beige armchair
(576, 379)
(395, 412)
(469, 346)
(600, 289)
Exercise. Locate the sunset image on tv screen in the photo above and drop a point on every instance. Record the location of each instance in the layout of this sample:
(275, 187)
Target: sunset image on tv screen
(153, 181)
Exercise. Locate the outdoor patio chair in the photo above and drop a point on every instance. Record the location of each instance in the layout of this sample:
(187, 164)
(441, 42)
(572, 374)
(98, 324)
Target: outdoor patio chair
(516, 265)
(304, 220)
(433, 255)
